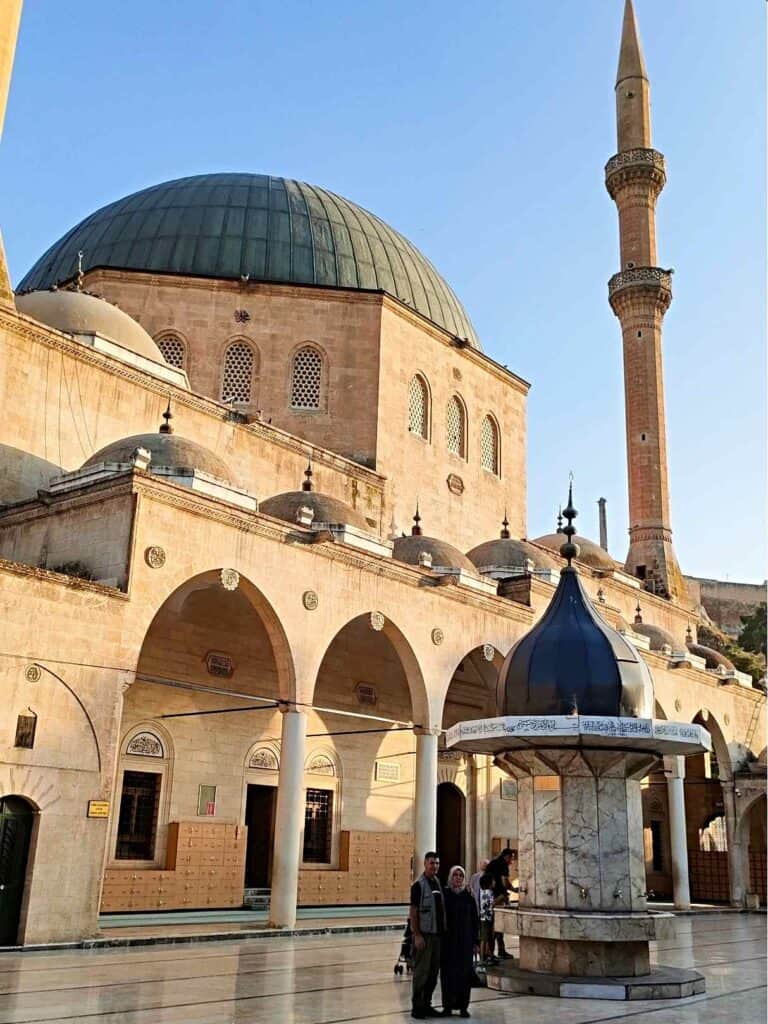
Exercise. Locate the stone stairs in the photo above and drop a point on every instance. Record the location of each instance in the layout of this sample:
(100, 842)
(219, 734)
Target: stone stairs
(256, 899)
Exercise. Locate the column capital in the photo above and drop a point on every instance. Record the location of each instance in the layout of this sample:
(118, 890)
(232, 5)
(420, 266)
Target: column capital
(286, 707)
(674, 766)
(427, 730)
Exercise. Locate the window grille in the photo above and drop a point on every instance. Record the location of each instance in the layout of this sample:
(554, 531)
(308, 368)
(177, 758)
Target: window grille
(418, 406)
(305, 382)
(238, 373)
(137, 824)
(173, 350)
(456, 430)
(489, 446)
(318, 819)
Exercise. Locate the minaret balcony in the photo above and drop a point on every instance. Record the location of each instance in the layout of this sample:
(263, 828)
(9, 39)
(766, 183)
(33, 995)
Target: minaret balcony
(640, 282)
(633, 166)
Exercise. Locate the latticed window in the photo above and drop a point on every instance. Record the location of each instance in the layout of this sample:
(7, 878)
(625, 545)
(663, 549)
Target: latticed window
(418, 407)
(238, 373)
(306, 379)
(456, 427)
(318, 819)
(173, 350)
(489, 445)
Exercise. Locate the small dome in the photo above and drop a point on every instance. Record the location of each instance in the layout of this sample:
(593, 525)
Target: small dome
(572, 660)
(506, 551)
(713, 658)
(589, 553)
(326, 509)
(168, 451)
(444, 555)
(81, 313)
(659, 637)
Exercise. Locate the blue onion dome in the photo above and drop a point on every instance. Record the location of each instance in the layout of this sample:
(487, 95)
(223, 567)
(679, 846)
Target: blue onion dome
(257, 226)
(572, 661)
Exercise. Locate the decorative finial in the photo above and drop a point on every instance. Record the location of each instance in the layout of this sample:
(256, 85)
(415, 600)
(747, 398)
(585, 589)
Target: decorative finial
(416, 529)
(569, 550)
(638, 614)
(688, 634)
(559, 519)
(505, 527)
(601, 595)
(79, 275)
(307, 483)
(166, 428)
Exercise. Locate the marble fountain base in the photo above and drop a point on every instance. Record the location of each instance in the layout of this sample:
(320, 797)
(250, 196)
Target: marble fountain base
(589, 956)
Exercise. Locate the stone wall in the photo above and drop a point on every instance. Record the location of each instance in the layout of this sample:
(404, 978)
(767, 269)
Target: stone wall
(726, 602)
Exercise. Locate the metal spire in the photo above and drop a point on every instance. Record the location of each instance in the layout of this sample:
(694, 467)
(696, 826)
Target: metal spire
(638, 614)
(416, 529)
(569, 550)
(166, 428)
(505, 527)
(307, 483)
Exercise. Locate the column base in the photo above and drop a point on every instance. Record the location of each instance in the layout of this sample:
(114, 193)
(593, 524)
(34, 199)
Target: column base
(660, 983)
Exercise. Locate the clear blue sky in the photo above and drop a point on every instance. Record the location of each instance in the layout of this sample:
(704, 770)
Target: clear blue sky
(480, 132)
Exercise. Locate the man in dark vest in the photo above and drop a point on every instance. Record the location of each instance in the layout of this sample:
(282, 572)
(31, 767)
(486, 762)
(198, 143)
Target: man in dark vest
(427, 920)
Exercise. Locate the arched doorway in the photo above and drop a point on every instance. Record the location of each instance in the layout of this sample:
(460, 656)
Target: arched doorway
(451, 814)
(16, 820)
(753, 831)
(706, 827)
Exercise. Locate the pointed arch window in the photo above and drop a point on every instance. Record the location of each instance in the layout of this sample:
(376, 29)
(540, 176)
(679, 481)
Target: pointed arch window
(418, 406)
(456, 427)
(306, 378)
(237, 378)
(173, 350)
(489, 445)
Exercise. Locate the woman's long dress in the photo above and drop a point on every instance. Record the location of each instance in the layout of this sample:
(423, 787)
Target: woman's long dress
(459, 940)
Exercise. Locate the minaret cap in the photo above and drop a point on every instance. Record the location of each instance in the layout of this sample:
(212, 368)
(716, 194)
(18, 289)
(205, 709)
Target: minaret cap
(631, 60)
(416, 529)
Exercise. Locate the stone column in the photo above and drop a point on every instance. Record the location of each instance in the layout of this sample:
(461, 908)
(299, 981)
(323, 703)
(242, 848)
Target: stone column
(425, 810)
(737, 868)
(289, 820)
(675, 767)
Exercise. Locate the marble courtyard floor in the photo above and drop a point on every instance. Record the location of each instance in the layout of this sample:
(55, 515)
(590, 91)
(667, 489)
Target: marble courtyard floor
(330, 979)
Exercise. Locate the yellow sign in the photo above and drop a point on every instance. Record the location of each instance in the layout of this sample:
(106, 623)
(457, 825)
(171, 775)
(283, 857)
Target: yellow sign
(98, 808)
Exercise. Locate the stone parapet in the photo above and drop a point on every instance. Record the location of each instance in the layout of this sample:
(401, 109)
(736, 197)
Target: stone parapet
(626, 287)
(635, 165)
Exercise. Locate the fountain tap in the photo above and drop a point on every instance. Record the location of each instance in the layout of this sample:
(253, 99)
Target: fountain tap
(618, 894)
(584, 893)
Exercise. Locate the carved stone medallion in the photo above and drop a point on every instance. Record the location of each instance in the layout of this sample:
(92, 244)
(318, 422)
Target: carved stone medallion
(230, 579)
(155, 556)
(33, 673)
(437, 636)
(310, 600)
(489, 652)
(377, 621)
(455, 483)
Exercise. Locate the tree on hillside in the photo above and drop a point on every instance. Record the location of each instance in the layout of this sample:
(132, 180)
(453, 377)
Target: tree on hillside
(753, 630)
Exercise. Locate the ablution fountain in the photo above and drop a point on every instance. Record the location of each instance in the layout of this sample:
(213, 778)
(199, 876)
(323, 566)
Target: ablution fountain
(576, 731)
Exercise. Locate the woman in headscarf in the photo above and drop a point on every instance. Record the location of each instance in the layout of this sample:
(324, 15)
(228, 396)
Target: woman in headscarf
(460, 943)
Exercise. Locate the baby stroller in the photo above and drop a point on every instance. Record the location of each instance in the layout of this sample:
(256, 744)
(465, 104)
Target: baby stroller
(405, 960)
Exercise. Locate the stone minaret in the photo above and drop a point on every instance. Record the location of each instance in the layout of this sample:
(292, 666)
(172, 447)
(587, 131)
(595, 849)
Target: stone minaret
(10, 14)
(640, 295)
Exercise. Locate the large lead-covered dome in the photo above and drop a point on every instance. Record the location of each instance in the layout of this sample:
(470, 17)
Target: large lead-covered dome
(271, 229)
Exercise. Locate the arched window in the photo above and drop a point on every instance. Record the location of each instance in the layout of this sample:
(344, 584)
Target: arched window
(418, 406)
(456, 427)
(489, 445)
(173, 349)
(237, 380)
(306, 378)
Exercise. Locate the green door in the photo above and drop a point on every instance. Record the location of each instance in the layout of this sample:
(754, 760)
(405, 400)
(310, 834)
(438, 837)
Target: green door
(16, 818)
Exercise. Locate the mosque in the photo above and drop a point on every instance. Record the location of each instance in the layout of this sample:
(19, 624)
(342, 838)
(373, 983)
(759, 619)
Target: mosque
(263, 540)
